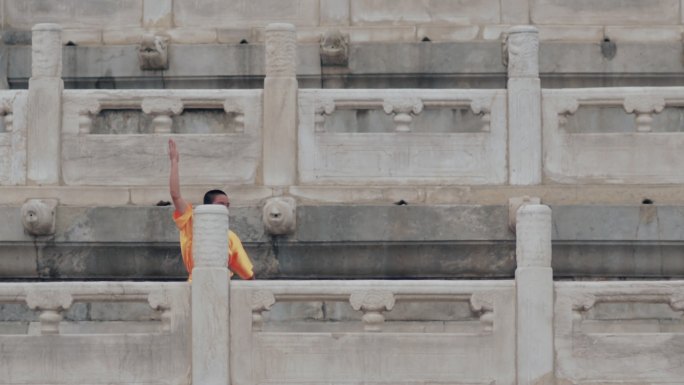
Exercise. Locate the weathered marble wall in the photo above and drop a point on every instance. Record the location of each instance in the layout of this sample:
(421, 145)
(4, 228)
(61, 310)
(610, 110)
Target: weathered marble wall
(185, 21)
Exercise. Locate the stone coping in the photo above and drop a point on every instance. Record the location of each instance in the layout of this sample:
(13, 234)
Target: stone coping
(428, 194)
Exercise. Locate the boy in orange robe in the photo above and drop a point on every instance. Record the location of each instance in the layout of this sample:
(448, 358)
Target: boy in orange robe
(238, 261)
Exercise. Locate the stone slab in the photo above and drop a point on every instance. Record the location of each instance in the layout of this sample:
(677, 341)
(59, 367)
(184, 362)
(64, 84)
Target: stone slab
(430, 11)
(157, 13)
(215, 13)
(434, 33)
(23, 14)
(644, 34)
(604, 12)
(334, 12)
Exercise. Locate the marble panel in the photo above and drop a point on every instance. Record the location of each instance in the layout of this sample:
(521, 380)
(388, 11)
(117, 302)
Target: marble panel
(23, 14)
(242, 13)
(398, 156)
(426, 11)
(640, 153)
(611, 12)
(640, 344)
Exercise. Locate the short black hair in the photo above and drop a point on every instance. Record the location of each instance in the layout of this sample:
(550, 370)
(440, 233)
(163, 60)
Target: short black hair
(211, 195)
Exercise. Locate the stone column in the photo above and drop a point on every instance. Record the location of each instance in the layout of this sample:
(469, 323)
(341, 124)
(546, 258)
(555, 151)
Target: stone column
(210, 296)
(280, 107)
(524, 107)
(45, 105)
(534, 296)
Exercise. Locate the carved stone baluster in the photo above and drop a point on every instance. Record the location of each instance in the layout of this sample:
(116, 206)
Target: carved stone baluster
(159, 300)
(51, 304)
(372, 303)
(644, 107)
(162, 109)
(262, 300)
(85, 116)
(231, 106)
(325, 107)
(403, 109)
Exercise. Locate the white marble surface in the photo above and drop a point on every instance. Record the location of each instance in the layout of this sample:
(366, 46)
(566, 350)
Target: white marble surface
(402, 157)
(588, 155)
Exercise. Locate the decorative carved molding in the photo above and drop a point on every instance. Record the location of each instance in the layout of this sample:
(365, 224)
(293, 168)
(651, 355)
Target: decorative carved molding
(403, 109)
(483, 106)
(234, 107)
(324, 108)
(153, 53)
(372, 303)
(644, 107)
(482, 304)
(51, 304)
(38, 216)
(281, 50)
(159, 300)
(677, 300)
(262, 300)
(86, 111)
(279, 215)
(162, 109)
(6, 113)
(334, 49)
(522, 49)
(565, 106)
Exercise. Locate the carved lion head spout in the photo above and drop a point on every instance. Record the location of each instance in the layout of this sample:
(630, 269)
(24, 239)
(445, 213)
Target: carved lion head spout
(38, 216)
(152, 53)
(279, 216)
(334, 49)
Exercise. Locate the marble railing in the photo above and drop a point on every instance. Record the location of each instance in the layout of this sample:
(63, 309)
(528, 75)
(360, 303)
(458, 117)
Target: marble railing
(524, 331)
(47, 349)
(402, 136)
(285, 136)
(119, 137)
(389, 332)
(619, 332)
(613, 135)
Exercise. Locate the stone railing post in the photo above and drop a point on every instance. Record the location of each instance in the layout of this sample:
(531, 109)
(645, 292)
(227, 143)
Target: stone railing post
(534, 296)
(45, 105)
(279, 160)
(210, 296)
(524, 106)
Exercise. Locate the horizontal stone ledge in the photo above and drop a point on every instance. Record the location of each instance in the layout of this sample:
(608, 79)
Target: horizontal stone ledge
(251, 195)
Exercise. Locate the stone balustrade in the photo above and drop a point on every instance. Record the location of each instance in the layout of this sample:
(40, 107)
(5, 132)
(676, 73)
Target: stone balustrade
(524, 331)
(284, 136)
(50, 348)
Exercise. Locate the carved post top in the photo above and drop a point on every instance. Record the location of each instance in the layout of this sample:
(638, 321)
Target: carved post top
(210, 235)
(281, 50)
(522, 49)
(46, 51)
(533, 233)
